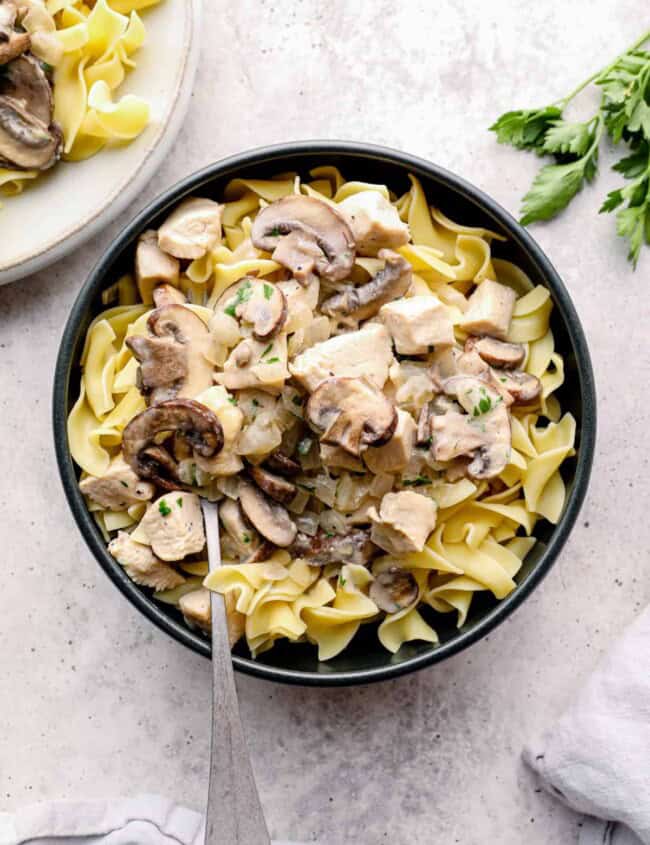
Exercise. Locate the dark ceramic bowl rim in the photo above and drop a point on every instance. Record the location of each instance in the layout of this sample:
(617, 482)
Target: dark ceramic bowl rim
(518, 235)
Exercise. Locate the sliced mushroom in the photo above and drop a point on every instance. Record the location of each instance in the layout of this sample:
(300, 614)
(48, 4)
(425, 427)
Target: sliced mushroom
(243, 535)
(28, 138)
(168, 295)
(351, 413)
(270, 518)
(364, 301)
(393, 590)
(153, 266)
(275, 486)
(523, 387)
(12, 43)
(192, 229)
(259, 303)
(279, 462)
(173, 362)
(486, 427)
(423, 435)
(319, 237)
(194, 421)
(321, 549)
(497, 353)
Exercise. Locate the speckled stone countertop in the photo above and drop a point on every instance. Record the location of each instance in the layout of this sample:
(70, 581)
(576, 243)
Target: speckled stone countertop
(95, 701)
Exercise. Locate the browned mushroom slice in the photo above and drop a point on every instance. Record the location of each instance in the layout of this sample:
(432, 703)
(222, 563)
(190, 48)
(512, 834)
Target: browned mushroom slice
(275, 486)
(198, 425)
(279, 462)
(265, 309)
(497, 353)
(523, 387)
(28, 138)
(172, 362)
(351, 413)
(423, 437)
(393, 590)
(365, 301)
(321, 549)
(322, 242)
(270, 518)
(245, 538)
(261, 553)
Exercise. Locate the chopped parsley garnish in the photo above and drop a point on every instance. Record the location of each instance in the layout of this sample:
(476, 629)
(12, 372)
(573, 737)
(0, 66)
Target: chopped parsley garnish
(268, 291)
(275, 232)
(267, 350)
(124, 484)
(232, 400)
(246, 538)
(243, 294)
(304, 445)
(427, 443)
(329, 534)
(418, 481)
(272, 360)
(306, 487)
(179, 502)
(297, 400)
(484, 405)
(164, 508)
(256, 403)
(342, 581)
(503, 379)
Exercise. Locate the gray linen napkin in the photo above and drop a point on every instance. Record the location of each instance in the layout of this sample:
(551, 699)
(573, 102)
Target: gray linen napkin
(597, 757)
(143, 820)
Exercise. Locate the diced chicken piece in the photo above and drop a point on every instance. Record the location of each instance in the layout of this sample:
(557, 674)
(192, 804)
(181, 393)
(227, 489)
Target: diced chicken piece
(118, 488)
(168, 295)
(403, 523)
(153, 266)
(490, 310)
(454, 434)
(195, 607)
(367, 352)
(396, 454)
(375, 223)
(192, 229)
(335, 456)
(418, 323)
(142, 565)
(174, 525)
(254, 363)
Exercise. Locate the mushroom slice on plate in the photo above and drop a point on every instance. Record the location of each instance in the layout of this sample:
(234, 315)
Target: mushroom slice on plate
(28, 138)
(197, 424)
(192, 229)
(321, 549)
(320, 239)
(485, 427)
(275, 486)
(364, 301)
(280, 463)
(351, 413)
(523, 387)
(393, 590)
(497, 353)
(152, 265)
(271, 519)
(173, 362)
(12, 42)
(243, 536)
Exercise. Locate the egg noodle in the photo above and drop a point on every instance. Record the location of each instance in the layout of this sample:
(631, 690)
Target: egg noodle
(484, 529)
(91, 48)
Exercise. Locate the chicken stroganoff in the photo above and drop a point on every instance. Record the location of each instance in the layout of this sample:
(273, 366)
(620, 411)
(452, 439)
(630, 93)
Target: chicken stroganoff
(60, 63)
(365, 390)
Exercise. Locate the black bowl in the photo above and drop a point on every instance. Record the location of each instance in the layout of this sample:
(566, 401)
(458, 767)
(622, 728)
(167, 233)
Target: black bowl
(365, 659)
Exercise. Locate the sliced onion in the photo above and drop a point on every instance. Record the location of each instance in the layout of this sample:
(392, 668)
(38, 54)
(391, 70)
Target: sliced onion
(307, 523)
(332, 522)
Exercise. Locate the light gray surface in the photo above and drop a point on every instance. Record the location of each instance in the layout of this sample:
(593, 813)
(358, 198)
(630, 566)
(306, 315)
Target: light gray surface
(95, 701)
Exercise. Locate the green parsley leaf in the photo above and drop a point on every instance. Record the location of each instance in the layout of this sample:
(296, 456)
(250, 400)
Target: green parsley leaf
(555, 186)
(255, 402)
(124, 483)
(525, 128)
(246, 538)
(272, 360)
(565, 138)
(267, 350)
(179, 502)
(275, 232)
(232, 400)
(418, 481)
(164, 508)
(230, 310)
(268, 291)
(297, 400)
(342, 581)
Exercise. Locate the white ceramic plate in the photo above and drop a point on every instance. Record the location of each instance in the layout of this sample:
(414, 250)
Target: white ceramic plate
(74, 200)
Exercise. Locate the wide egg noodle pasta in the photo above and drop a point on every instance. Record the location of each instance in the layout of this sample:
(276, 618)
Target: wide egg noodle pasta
(483, 533)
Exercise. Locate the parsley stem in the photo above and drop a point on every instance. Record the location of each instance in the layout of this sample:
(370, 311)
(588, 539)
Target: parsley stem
(602, 72)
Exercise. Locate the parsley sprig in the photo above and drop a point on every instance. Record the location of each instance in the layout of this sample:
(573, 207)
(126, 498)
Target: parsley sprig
(623, 114)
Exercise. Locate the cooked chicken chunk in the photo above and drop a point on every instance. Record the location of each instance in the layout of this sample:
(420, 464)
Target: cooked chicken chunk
(174, 525)
(403, 523)
(418, 323)
(142, 565)
(375, 223)
(394, 455)
(192, 229)
(195, 607)
(490, 310)
(118, 488)
(367, 352)
(255, 363)
(153, 266)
